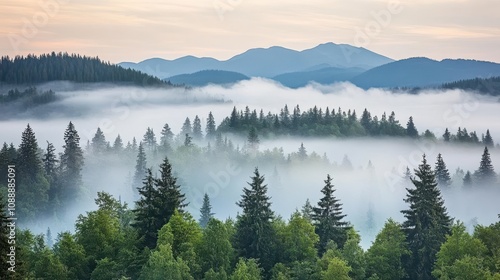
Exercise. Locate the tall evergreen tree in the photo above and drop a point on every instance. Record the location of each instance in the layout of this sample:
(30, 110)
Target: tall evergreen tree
(442, 174)
(302, 152)
(205, 211)
(197, 133)
(169, 198)
(307, 211)
(149, 140)
(186, 127)
(146, 213)
(447, 135)
(253, 139)
(118, 145)
(329, 219)
(485, 175)
(98, 144)
(32, 187)
(71, 164)
(50, 161)
(166, 139)
(254, 231)
(210, 128)
(487, 140)
(427, 222)
(140, 167)
(411, 130)
(467, 181)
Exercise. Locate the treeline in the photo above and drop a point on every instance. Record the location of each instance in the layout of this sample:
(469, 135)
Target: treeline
(318, 122)
(29, 97)
(32, 69)
(489, 86)
(158, 239)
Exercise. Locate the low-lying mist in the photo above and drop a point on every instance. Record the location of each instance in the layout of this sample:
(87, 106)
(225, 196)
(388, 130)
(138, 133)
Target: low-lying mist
(368, 173)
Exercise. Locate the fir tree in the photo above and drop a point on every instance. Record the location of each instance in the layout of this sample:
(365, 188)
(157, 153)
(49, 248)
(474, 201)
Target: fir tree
(140, 167)
(411, 130)
(118, 145)
(302, 152)
(254, 230)
(169, 198)
(426, 224)
(98, 144)
(446, 135)
(210, 128)
(442, 174)
(186, 127)
(149, 140)
(253, 139)
(48, 238)
(71, 165)
(205, 211)
(328, 218)
(485, 175)
(166, 139)
(188, 141)
(467, 181)
(50, 161)
(197, 133)
(487, 140)
(146, 215)
(307, 210)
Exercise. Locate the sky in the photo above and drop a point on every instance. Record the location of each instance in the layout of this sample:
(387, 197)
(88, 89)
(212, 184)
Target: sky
(127, 30)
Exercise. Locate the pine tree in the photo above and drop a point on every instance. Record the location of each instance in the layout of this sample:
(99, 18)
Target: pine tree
(442, 174)
(446, 135)
(328, 218)
(71, 165)
(426, 224)
(186, 127)
(253, 139)
(488, 141)
(118, 145)
(98, 144)
(167, 136)
(411, 130)
(302, 152)
(149, 140)
(205, 211)
(197, 133)
(254, 231)
(169, 198)
(32, 187)
(140, 167)
(48, 239)
(146, 212)
(50, 161)
(467, 181)
(210, 128)
(307, 211)
(485, 175)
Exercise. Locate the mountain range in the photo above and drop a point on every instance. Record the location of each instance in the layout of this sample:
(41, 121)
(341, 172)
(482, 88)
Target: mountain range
(325, 64)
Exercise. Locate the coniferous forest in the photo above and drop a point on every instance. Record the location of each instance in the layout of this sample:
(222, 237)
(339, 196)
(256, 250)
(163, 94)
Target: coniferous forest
(155, 235)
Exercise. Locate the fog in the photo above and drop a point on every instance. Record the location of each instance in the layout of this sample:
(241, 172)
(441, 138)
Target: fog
(128, 111)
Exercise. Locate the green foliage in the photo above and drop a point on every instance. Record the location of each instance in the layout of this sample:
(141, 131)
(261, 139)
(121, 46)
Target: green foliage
(485, 175)
(299, 240)
(72, 256)
(337, 269)
(426, 224)
(490, 236)
(215, 249)
(205, 211)
(354, 255)
(328, 218)
(162, 265)
(385, 257)
(247, 270)
(461, 256)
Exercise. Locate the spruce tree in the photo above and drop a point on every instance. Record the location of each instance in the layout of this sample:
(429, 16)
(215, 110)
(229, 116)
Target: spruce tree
(485, 175)
(307, 210)
(254, 231)
(253, 139)
(446, 135)
(197, 133)
(118, 145)
(411, 130)
(166, 139)
(467, 181)
(186, 127)
(302, 152)
(169, 196)
(71, 165)
(98, 144)
(32, 186)
(329, 219)
(487, 140)
(140, 167)
(205, 211)
(50, 161)
(442, 174)
(149, 140)
(146, 212)
(210, 128)
(427, 222)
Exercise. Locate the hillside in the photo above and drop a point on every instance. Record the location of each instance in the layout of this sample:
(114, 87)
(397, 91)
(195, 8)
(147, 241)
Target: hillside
(205, 77)
(422, 72)
(326, 75)
(33, 69)
(489, 86)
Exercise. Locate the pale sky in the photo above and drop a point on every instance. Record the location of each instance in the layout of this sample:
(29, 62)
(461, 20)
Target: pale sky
(125, 30)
